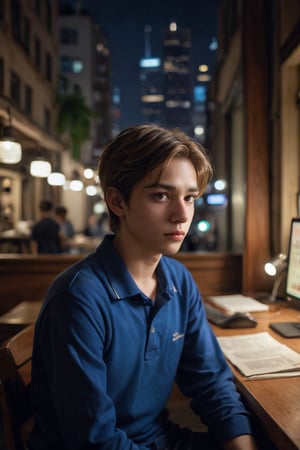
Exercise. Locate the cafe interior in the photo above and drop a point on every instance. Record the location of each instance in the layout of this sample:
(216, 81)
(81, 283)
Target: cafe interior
(253, 136)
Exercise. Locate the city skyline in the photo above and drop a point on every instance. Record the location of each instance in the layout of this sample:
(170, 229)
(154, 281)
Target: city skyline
(124, 26)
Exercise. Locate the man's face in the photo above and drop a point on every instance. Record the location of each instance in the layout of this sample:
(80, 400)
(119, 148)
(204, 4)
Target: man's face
(159, 213)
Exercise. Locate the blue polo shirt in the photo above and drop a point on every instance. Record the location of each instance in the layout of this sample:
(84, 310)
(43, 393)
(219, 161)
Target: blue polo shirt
(105, 359)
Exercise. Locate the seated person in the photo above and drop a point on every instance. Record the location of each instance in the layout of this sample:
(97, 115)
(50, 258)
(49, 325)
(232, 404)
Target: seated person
(120, 327)
(66, 226)
(46, 236)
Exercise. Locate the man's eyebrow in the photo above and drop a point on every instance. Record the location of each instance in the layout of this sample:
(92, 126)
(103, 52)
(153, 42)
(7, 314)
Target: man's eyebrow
(169, 187)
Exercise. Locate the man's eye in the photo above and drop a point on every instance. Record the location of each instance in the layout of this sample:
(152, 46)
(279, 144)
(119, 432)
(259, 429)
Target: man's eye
(191, 198)
(160, 196)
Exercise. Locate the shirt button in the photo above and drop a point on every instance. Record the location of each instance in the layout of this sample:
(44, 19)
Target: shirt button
(153, 330)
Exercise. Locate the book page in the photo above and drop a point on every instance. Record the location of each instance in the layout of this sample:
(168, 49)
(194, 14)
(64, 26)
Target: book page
(238, 303)
(260, 354)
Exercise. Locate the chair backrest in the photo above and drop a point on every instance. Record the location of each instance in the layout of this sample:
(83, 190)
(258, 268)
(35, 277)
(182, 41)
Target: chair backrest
(15, 376)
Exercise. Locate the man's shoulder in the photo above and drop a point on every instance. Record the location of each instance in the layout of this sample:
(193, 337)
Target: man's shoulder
(84, 273)
(46, 222)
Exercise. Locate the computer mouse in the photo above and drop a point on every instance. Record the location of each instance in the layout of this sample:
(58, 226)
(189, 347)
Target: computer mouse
(239, 320)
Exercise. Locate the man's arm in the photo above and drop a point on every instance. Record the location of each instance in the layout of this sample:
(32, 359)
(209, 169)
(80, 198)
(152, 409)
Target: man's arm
(70, 340)
(244, 442)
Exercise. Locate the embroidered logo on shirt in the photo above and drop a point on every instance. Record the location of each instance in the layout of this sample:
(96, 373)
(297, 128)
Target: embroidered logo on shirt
(177, 336)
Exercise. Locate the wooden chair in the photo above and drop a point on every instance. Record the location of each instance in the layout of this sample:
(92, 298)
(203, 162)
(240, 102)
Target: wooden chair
(15, 376)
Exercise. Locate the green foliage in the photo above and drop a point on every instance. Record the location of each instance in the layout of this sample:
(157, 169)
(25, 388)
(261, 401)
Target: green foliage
(74, 119)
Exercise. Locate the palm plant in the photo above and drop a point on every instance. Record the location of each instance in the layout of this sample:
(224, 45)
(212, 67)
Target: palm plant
(74, 119)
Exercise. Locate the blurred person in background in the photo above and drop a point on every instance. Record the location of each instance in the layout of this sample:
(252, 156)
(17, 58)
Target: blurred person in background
(93, 227)
(46, 235)
(66, 226)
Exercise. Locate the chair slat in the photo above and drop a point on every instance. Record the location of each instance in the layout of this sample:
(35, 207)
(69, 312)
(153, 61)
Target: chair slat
(15, 377)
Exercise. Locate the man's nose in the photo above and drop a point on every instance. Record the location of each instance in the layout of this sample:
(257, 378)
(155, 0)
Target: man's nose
(179, 212)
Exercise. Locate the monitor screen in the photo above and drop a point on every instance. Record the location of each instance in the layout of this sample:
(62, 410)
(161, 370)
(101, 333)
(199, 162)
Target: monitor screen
(293, 267)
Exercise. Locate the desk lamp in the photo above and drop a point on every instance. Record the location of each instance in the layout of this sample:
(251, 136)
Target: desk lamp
(276, 267)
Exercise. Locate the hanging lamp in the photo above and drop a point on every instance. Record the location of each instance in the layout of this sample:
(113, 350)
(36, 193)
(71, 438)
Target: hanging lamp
(10, 149)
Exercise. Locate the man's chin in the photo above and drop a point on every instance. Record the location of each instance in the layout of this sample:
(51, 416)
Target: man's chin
(172, 250)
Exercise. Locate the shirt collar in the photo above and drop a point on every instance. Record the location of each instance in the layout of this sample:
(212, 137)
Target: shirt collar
(119, 278)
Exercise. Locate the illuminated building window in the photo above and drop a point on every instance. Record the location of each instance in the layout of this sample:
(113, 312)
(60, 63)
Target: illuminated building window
(70, 65)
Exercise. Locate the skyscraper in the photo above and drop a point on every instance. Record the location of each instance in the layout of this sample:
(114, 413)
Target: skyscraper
(177, 83)
(151, 83)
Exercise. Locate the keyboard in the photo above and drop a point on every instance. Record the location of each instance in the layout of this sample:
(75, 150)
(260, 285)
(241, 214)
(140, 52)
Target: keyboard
(214, 315)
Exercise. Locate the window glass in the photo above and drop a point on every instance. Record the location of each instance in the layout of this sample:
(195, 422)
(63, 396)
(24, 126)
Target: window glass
(70, 65)
(28, 99)
(15, 84)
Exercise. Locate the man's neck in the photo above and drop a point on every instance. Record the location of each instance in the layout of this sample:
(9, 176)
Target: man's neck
(141, 267)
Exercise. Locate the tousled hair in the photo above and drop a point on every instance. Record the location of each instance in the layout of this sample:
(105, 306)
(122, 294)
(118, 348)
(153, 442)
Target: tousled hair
(138, 151)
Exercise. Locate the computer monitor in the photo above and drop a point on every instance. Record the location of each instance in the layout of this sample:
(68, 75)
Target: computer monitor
(292, 287)
(293, 267)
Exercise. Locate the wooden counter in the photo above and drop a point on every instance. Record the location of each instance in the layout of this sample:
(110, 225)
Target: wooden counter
(26, 277)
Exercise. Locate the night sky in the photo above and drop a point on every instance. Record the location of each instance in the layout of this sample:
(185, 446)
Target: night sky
(124, 21)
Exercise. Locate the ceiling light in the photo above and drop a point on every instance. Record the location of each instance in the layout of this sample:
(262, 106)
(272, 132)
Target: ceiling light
(10, 149)
(56, 179)
(91, 190)
(40, 168)
(76, 185)
(88, 173)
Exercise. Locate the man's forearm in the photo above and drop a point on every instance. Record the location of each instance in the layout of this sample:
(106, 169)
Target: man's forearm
(244, 442)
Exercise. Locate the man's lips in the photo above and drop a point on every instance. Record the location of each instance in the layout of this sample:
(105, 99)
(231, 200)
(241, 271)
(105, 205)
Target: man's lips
(176, 234)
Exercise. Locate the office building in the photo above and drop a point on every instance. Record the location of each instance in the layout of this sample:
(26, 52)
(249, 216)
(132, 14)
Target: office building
(199, 110)
(151, 82)
(85, 64)
(177, 82)
(116, 111)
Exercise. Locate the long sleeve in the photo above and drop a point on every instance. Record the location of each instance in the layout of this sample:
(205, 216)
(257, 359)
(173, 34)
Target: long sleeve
(73, 362)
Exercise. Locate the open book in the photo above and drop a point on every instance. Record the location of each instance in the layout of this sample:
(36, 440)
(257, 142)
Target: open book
(259, 355)
(238, 303)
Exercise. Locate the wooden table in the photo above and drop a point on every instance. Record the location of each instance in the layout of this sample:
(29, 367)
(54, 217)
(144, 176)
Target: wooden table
(17, 318)
(275, 402)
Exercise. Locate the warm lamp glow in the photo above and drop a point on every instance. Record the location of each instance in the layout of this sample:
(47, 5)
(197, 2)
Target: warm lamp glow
(276, 265)
(276, 268)
(10, 151)
(76, 185)
(56, 179)
(40, 168)
(88, 173)
(91, 190)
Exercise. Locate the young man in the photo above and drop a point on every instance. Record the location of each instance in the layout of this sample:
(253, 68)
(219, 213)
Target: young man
(121, 326)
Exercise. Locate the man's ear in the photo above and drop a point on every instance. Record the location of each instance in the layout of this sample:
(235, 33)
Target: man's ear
(115, 201)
